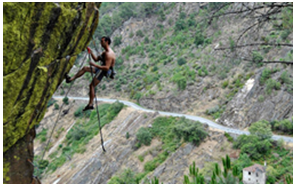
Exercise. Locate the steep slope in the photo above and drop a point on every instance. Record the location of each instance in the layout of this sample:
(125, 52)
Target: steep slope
(168, 59)
(94, 166)
(41, 42)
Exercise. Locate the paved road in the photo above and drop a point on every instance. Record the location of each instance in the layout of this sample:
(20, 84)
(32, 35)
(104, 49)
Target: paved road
(195, 118)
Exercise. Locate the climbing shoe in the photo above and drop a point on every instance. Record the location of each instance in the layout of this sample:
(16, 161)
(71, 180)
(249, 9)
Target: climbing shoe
(67, 78)
(88, 107)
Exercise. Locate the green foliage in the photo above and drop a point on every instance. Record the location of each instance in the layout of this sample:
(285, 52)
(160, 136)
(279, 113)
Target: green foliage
(155, 181)
(228, 176)
(261, 129)
(131, 34)
(56, 106)
(285, 78)
(144, 136)
(141, 158)
(127, 135)
(119, 61)
(182, 83)
(51, 102)
(181, 61)
(229, 137)
(79, 112)
(190, 131)
(225, 84)
(146, 40)
(242, 162)
(180, 25)
(126, 177)
(266, 73)
(42, 136)
(81, 134)
(232, 44)
(139, 33)
(257, 57)
(285, 126)
(197, 178)
(199, 39)
(261, 98)
(103, 87)
(65, 100)
(272, 84)
(161, 15)
(284, 34)
(155, 162)
(117, 40)
(127, 10)
(271, 174)
(289, 179)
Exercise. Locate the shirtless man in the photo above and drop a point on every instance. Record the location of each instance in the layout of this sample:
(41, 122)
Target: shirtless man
(108, 60)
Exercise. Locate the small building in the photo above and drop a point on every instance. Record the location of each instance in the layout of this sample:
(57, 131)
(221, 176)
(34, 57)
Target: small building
(255, 174)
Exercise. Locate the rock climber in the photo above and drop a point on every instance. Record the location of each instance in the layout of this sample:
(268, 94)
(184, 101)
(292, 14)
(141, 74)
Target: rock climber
(107, 59)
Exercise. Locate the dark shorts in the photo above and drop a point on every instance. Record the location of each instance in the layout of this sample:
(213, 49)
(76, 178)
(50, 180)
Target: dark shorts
(99, 74)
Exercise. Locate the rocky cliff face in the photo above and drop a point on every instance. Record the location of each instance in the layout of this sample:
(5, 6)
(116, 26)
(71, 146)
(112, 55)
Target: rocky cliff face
(41, 42)
(252, 104)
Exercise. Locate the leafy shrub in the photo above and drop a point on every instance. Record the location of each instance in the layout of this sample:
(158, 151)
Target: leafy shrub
(119, 61)
(190, 131)
(117, 41)
(199, 39)
(272, 84)
(257, 57)
(43, 164)
(151, 165)
(285, 33)
(56, 106)
(181, 61)
(266, 73)
(180, 81)
(191, 22)
(103, 87)
(144, 136)
(232, 44)
(225, 84)
(79, 112)
(161, 15)
(131, 34)
(261, 129)
(127, 135)
(42, 135)
(212, 110)
(286, 126)
(76, 134)
(285, 78)
(180, 25)
(126, 177)
(146, 40)
(65, 100)
(261, 98)
(139, 33)
(229, 137)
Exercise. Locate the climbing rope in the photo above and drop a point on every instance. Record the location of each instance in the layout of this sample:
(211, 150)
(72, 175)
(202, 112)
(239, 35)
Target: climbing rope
(67, 59)
(97, 109)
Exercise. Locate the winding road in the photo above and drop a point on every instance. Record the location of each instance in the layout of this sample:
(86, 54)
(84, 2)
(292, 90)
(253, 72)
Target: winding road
(195, 118)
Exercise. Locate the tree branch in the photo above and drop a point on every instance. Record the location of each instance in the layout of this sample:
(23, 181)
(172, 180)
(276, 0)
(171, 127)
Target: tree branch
(257, 44)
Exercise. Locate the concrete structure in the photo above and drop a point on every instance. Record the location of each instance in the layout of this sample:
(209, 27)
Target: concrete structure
(255, 174)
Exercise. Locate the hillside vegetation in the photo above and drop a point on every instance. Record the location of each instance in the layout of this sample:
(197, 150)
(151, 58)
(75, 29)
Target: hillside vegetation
(200, 59)
(177, 57)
